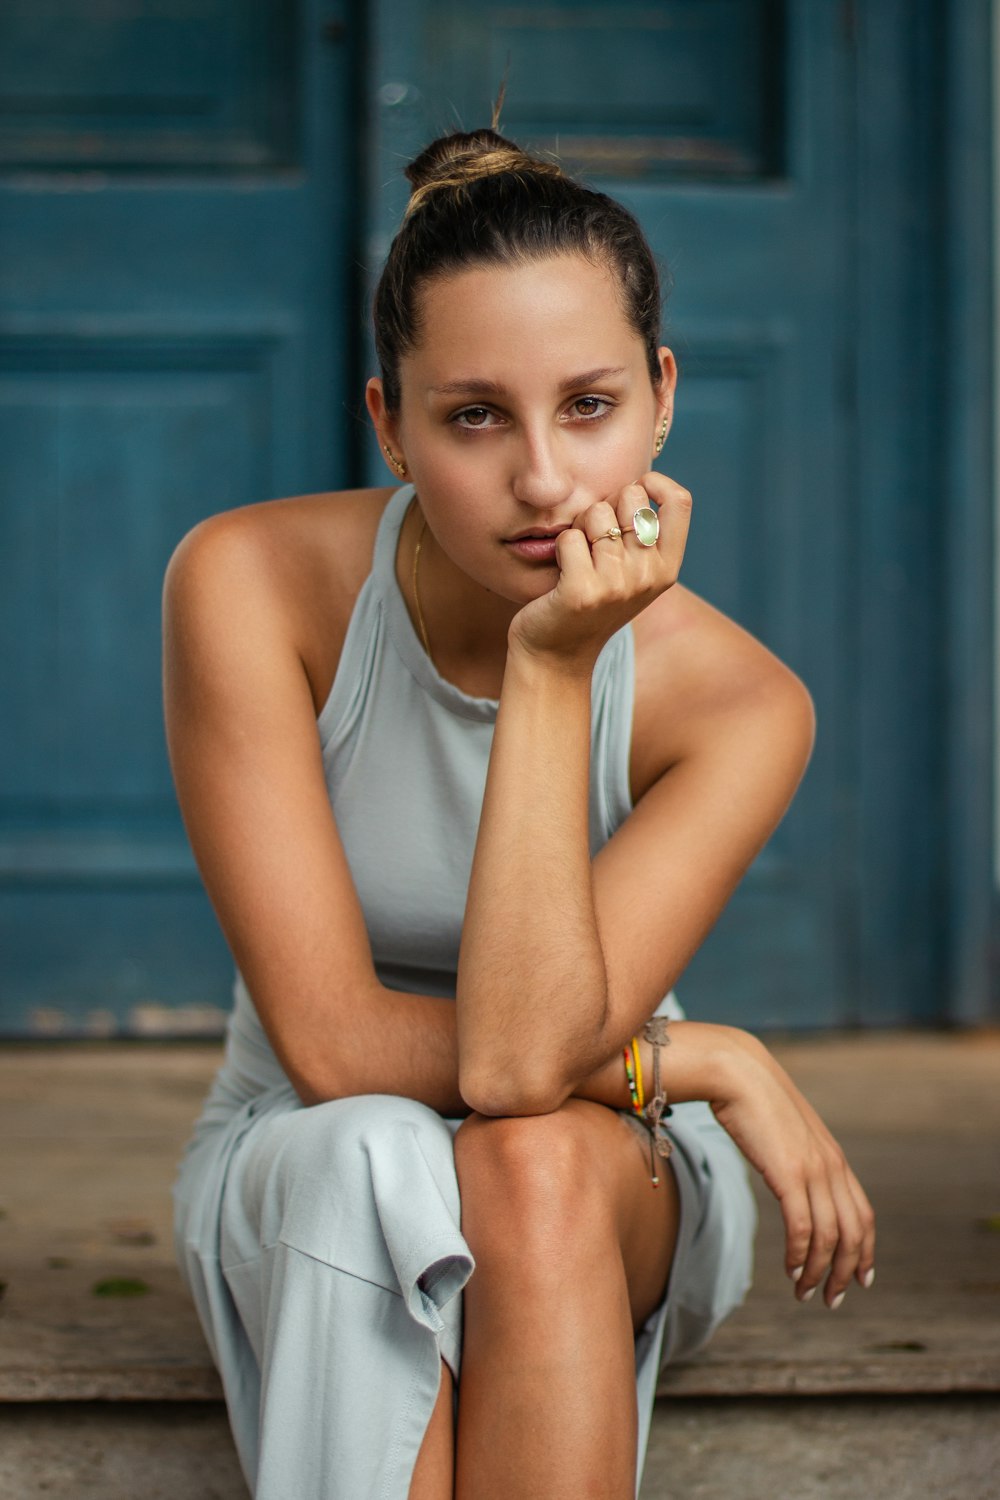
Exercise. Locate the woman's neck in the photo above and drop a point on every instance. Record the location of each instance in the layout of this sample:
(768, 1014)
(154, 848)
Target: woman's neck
(465, 624)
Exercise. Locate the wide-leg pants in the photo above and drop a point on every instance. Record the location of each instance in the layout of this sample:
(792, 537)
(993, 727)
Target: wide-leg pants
(324, 1252)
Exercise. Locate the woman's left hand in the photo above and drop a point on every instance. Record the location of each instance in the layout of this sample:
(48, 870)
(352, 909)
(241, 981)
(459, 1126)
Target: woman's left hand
(606, 575)
(829, 1223)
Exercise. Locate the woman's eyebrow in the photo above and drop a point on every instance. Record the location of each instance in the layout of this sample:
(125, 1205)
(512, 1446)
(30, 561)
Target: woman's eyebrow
(473, 385)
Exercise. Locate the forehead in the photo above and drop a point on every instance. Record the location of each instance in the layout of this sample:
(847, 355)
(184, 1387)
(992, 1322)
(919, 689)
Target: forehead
(551, 312)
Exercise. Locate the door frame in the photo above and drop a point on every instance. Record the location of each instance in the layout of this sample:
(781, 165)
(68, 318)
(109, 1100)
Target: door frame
(925, 749)
(971, 484)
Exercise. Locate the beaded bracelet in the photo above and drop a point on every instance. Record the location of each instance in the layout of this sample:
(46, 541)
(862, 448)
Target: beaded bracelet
(638, 1072)
(633, 1072)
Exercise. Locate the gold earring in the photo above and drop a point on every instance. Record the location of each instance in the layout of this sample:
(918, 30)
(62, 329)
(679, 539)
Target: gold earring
(398, 464)
(661, 436)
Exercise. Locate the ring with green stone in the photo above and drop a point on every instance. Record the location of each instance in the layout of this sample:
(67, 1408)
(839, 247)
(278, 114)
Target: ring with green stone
(646, 525)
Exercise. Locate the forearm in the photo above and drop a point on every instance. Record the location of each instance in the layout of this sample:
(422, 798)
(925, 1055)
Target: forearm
(532, 985)
(407, 1044)
(393, 1042)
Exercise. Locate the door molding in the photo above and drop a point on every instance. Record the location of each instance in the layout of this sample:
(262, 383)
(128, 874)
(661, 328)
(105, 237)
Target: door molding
(925, 533)
(900, 616)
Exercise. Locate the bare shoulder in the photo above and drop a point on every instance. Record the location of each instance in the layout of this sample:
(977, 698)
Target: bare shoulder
(701, 679)
(291, 568)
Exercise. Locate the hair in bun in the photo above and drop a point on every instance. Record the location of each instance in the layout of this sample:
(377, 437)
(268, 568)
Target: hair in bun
(456, 160)
(479, 199)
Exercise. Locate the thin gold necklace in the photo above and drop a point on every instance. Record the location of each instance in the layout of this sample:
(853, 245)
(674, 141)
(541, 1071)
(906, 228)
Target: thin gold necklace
(416, 591)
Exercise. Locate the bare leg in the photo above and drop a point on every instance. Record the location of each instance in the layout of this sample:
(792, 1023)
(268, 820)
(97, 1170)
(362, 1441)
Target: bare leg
(573, 1248)
(434, 1474)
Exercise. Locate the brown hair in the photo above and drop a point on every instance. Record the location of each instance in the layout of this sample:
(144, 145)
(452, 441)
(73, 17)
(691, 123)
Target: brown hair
(478, 199)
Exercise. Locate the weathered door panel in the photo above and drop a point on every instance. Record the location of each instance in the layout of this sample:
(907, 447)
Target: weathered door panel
(175, 284)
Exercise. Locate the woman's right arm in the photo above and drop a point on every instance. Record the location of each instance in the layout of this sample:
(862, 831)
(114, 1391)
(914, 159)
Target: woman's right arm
(246, 760)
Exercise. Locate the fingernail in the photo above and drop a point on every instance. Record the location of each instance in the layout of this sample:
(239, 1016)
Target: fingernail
(837, 1301)
(806, 1295)
(796, 1273)
(868, 1278)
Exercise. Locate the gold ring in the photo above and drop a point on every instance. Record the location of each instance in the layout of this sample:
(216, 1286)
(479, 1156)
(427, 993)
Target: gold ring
(612, 535)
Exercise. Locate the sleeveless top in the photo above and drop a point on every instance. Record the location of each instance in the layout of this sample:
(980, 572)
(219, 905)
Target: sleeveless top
(405, 754)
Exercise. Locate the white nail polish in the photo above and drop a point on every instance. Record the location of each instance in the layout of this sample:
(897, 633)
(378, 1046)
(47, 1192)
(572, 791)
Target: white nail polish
(796, 1273)
(837, 1301)
(868, 1278)
(806, 1295)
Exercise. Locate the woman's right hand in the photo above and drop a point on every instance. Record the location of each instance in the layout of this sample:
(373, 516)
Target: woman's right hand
(829, 1223)
(606, 580)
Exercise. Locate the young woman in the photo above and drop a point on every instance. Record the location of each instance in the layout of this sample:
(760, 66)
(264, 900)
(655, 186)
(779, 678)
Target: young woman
(469, 776)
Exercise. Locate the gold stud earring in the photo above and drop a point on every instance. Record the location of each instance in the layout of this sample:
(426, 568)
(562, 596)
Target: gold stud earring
(661, 437)
(398, 464)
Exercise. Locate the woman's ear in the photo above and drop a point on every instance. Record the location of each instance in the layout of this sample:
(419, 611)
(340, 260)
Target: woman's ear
(665, 391)
(386, 428)
(375, 402)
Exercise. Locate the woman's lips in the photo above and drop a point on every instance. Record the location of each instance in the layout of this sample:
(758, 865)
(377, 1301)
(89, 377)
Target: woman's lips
(535, 548)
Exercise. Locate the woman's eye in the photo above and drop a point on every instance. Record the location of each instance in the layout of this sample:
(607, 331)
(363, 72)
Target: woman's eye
(591, 407)
(473, 416)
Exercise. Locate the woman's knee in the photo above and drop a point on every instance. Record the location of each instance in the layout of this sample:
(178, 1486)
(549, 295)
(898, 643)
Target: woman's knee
(530, 1185)
(309, 1167)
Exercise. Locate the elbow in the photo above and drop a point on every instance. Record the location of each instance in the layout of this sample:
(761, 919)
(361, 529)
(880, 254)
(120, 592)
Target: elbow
(314, 1083)
(497, 1091)
(310, 1093)
(309, 1088)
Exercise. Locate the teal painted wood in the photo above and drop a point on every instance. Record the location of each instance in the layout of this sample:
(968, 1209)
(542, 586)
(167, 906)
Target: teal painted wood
(173, 327)
(175, 87)
(761, 321)
(174, 340)
(900, 535)
(968, 501)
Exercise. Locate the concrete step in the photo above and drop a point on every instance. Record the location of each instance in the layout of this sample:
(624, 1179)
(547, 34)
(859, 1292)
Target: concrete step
(93, 1381)
(916, 1448)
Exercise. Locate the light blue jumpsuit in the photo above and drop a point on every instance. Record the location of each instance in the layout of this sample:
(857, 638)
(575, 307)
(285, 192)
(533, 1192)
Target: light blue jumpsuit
(322, 1245)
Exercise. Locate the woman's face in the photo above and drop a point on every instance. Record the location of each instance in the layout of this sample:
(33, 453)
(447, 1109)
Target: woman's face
(527, 399)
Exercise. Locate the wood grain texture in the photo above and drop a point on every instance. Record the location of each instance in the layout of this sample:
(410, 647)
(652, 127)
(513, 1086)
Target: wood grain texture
(92, 1134)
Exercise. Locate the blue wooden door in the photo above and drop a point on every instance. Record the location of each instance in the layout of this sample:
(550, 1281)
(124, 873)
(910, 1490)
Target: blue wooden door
(176, 226)
(185, 192)
(738, 131)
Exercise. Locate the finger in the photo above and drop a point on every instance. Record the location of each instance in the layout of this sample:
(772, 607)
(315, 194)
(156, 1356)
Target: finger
(849, 1244)
(865, 1270)
(823, 1242)
(607, 551)
(573, 552)
(864, 1216)
(632, 498)
(600, 524)
(675, 523)
(674, 513)
(797, 1215)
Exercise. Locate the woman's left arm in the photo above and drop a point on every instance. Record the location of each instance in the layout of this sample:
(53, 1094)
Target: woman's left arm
(563, 958)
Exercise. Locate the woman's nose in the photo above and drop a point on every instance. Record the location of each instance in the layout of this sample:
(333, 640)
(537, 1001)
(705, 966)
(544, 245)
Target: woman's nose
(541, 477)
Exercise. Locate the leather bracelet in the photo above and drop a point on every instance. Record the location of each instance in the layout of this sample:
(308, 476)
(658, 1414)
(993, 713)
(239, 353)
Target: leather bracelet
(660, 1144)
